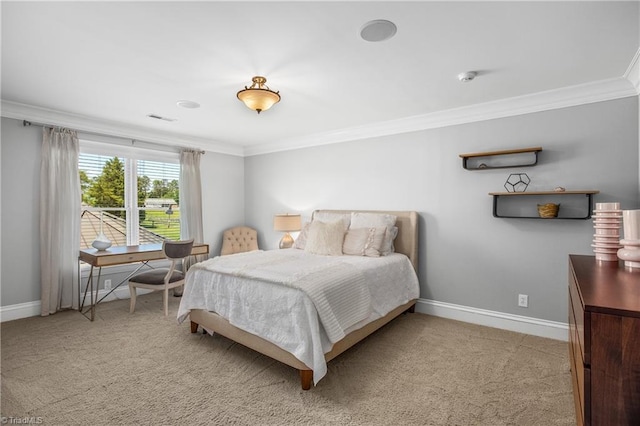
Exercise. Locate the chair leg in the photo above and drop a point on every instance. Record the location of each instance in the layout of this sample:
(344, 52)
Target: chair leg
(166, 301)
(132, 304)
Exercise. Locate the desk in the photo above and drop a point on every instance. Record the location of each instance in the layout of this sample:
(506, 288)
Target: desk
(119, 256)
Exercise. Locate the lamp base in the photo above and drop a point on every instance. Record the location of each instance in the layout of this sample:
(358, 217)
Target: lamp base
(286, 241)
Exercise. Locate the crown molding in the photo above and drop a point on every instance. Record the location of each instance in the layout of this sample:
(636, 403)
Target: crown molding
(598, 91)
(109, 128)
(633, 72)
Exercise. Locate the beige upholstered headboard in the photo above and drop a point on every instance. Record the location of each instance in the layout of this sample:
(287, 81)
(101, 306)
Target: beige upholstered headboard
(407, 240)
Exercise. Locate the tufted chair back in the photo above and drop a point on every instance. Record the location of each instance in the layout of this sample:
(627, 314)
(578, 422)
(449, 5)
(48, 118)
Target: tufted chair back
(239, 240)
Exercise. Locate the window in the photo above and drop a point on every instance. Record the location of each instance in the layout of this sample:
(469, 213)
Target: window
(132, 196)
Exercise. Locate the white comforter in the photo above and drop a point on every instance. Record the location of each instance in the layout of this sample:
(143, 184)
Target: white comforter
(260, 292)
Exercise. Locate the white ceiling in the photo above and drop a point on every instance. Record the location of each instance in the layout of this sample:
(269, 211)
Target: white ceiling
(110, 64)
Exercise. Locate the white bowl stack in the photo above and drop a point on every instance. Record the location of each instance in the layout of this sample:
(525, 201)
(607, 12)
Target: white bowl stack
(607, 219)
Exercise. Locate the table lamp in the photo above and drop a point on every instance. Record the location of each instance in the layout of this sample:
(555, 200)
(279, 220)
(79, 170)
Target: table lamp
(287, 223)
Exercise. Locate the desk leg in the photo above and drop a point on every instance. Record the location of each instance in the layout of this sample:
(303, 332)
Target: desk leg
(93, 285)
(93, 297)
(79, 285)
(114, 288)
(86, 289)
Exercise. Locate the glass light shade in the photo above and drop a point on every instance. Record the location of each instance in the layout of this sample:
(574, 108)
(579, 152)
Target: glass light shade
(287, 222)
(258, 96)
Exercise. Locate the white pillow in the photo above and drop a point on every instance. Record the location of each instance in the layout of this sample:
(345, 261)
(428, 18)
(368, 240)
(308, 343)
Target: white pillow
(363, 241)
(390, 237)
(333, 217)
(325, 238)
(301, 241)
(377, 220)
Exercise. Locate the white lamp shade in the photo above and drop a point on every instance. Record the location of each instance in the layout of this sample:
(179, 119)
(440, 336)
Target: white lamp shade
(287, 222)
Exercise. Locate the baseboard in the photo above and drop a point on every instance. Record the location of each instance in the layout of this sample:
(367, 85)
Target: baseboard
(521, 324)
(19, 310)
(32, 309)
(517, 323)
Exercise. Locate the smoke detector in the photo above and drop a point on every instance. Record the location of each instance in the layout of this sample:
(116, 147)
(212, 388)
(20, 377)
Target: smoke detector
(467, 76)
(188, 104)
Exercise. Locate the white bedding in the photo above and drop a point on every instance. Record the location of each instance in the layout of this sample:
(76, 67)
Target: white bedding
(282, 313)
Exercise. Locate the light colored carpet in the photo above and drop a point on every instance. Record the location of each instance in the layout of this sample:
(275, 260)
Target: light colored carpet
(145, 369)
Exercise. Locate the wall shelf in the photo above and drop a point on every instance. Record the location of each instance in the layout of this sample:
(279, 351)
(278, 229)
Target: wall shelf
(578, 204)
(523, 157)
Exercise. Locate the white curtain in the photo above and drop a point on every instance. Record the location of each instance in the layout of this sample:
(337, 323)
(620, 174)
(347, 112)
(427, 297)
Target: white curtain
(59, 220)
(191, 201)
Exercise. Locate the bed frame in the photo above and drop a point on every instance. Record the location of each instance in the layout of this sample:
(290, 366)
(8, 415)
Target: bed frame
(406, 243)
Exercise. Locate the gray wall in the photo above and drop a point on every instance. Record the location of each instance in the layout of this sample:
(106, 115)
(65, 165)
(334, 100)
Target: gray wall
(222, 196)
(223, 206)
(20, 265)
(467, 257)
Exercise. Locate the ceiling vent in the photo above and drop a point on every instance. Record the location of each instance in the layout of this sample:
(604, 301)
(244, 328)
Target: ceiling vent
(158, 117)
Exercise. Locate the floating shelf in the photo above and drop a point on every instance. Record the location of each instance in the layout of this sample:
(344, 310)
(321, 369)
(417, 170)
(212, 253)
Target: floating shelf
(524, 157)
(580, 210)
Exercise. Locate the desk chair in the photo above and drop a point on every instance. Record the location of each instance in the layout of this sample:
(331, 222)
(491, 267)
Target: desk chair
(162, 279)
(239, 240)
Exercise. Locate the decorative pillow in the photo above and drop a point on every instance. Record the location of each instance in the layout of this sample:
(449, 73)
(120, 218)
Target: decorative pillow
(376, 220)
(301, 241)
(390, 237)
(364, 241)
(325, 238)
(333, 217)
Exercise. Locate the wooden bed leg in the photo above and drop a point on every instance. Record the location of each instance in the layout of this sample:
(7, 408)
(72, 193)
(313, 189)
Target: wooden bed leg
(194, 327)
(306, 377)
(412, 309)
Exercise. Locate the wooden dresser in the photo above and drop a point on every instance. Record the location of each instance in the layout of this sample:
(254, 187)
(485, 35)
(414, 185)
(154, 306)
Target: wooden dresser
(604, 341)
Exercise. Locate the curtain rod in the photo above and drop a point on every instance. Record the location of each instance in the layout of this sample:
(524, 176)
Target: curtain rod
(27, 123)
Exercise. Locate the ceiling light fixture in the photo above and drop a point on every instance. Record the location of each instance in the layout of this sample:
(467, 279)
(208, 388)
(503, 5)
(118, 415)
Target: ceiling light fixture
(467, 76)
(258, 96)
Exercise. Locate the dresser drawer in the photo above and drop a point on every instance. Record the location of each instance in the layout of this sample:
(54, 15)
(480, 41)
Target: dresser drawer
(577, 381)
(574, 332)
(579, 317)
(576, 363)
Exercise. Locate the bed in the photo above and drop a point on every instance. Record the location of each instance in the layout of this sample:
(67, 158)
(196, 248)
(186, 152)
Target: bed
(246, 298)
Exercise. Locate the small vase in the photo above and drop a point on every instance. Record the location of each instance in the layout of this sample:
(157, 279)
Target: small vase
(101, 242)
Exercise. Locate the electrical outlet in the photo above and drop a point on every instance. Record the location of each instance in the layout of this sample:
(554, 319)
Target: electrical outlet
(523, 300)
(107, 284)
